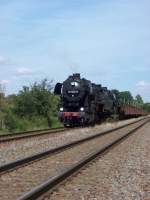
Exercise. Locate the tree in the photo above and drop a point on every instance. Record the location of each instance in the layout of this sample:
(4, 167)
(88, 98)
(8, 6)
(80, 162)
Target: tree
(126, 97)
(2, 96)
(139, 100)
(116, 92)
(146, 107)
(37, 100)
(2, 105)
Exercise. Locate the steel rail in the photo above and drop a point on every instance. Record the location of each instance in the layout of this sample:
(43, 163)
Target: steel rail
(20, 162)
(54, 181)
(28, 134)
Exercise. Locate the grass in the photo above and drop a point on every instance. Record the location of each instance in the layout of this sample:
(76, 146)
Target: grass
(28, 124)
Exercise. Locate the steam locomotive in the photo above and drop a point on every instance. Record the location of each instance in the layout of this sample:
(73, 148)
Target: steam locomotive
(83, 102)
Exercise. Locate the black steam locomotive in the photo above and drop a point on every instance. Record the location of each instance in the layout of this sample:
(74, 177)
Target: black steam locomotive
(83, 102)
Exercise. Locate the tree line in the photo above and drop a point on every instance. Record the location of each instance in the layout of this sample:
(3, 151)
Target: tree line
(126, 97)
(35, 107)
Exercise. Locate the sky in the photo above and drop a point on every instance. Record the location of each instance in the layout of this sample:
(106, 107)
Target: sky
(107, 41)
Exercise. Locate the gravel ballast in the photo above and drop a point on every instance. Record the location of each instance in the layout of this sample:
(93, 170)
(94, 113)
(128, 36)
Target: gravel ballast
(18, 149)
(14, 183)
(123, 174)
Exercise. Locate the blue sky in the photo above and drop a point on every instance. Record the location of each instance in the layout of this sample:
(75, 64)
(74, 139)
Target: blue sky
(107, 42)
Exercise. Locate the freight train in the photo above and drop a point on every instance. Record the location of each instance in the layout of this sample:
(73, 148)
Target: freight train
(83, 102)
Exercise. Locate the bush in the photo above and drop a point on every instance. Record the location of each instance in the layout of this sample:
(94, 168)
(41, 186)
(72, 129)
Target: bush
(11, 122)
(34, 107)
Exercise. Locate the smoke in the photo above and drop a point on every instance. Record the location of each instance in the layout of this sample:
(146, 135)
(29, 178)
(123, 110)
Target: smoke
(70, 62)
(73, 67)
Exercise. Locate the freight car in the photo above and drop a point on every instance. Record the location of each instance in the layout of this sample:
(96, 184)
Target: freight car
(83, 102)
(129, 111)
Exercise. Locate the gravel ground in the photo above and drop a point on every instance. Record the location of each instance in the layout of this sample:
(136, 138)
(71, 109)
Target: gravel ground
(23, 179)
(121, 174)
(13, 150)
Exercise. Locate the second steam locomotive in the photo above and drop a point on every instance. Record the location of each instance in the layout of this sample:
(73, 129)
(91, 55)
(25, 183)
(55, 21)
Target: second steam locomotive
(83, 102)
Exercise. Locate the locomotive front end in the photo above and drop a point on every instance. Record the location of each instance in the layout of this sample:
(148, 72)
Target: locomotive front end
(72, 93)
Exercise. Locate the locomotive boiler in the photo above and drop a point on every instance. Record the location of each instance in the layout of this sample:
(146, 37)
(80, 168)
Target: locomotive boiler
(83, 102)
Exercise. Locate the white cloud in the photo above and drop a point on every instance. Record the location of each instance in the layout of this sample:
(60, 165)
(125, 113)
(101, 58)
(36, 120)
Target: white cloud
(2, 60)
(3, 85)
(143, 88)
(143, 84)
(4, 82)
(22, 71)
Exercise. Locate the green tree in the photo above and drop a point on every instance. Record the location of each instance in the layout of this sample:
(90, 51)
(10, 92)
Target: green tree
(2, 106)
(146, 107)
(126, 97)
(139, 100)
(116, 92)
(24, 103)
(37, 100)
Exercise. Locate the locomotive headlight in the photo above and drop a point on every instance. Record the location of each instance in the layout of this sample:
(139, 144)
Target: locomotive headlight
(61, 109)
(81, 109)
(74, 84)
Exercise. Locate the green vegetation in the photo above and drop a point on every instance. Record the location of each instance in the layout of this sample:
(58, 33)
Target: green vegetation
(35, 107)
(146, 107)
(126, 97)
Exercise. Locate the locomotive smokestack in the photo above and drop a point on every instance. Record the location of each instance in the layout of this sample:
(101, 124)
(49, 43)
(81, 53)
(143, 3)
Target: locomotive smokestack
(77, 75)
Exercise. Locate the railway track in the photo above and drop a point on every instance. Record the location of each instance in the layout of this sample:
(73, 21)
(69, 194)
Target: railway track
(21, 148)
(71, 156)
(28, 134)
(20, 162)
